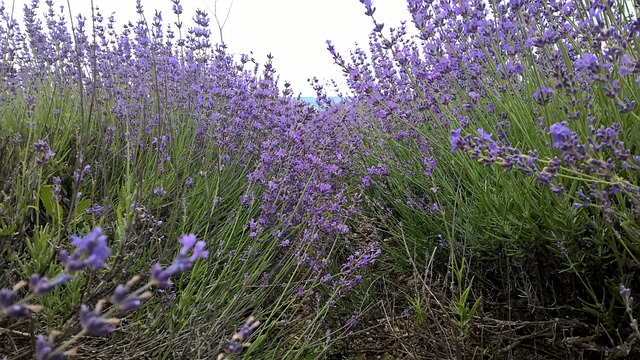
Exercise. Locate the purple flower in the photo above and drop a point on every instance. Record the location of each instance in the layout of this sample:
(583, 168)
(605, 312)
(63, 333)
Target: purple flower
(160, 277)
(56, 188)
(8, 303)
(563, 250)
(626, 106)
(124, 300)
(7, 297)
(93, 323)
(188, 182)
(627, 299)
(177, 8)
(17, 311)
(42, 147)
(91, 250)
(588, 62)
(237, 343)
(95, 210)
(245, 331)
(441, 242)
(543, 95)
(42, 285)
(78, 175)
(557, 189)
(559, 133)
(183, 263)
(352, 322)
(484, 136)
(44, 348)
(455, 139)
(187, 242)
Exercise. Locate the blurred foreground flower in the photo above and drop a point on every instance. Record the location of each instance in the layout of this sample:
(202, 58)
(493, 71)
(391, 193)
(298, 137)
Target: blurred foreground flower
(238, 339)
(91, 250)
(160, 277)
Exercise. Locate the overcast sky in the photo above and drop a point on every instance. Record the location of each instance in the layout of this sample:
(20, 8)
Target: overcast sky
(294, 31)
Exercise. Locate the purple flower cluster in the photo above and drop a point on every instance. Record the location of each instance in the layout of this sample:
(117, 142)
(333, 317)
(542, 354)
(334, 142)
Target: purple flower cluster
(11, 307)
(44, 151)
(91, 251)
(161, 277)
(238, 340)
(628, 301)
(546, 88)
(297, 159)
(461, 45)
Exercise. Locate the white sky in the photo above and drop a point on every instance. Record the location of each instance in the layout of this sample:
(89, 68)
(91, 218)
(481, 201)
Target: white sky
(294, 31)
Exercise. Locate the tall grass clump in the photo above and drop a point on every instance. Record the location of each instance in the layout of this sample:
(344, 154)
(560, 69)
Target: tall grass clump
(499, 148)
(147, 133)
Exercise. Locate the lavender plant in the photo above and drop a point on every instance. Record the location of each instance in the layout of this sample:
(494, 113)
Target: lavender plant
(91, 252)
(151, 130)
(502, 133)
(506, 128)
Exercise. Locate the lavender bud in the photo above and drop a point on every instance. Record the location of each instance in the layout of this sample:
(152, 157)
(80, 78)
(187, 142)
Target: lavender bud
(42, 147)
(44, 348)
(42, 285)
(91, 250)
(93, 323)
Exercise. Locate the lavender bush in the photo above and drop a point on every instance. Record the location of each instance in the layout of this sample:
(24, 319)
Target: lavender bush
(149, 132)
(91, 252)
(505, 132)
(496, 148)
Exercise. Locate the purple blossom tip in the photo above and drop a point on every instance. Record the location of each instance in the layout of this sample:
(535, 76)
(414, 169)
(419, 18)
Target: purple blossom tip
(187, 242)
(44, 348)
(124, 300)
(7, 297)
(91, 250)
(559, 133)
(17, 311)
(43, 148)
(455, 139)
(42, 285)
(93, 323)
(160, 277)
(237, 343)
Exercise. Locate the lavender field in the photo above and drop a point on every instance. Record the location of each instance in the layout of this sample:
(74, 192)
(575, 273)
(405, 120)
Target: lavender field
(475, 196)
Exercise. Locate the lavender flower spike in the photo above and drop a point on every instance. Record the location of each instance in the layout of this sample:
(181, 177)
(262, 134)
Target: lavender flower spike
(8, 304)
(160, 277)
(182, 263)
(93, 323)
(124, 300)
(41, 285)
(45, 347)
(91, 250)
(559, 133)
(42, 147)
(627, 299)
(238, 339)
(245, 332)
